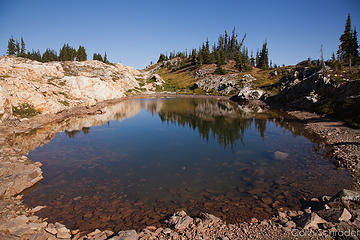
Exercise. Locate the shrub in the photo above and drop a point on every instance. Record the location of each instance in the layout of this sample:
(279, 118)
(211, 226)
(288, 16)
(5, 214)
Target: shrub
(24, 110)
(220, 71)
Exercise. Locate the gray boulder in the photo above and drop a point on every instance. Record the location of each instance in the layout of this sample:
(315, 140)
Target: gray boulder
(247, 93)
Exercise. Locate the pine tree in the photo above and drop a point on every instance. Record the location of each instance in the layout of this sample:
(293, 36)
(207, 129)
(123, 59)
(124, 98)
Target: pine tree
(162, 58)
(346, 47)
(49, 55)
(206, 52)
(193, 57)
(105, 58)
(257, 58)
(264, 57)
(355, 45)
(98, 57)
(233, 43)
(23, 49)
(252, 59)
(11, 50)
(64, 53)
(81, 54)
(17, 48)
(239, 62)
(226, 43)
(67, 53)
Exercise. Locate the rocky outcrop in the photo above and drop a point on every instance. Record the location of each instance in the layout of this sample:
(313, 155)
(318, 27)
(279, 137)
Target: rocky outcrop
(180, 220)
(308, 86)
(55, 86)
(247, 93)
(5, 105)
(158, 81)
(210, 82)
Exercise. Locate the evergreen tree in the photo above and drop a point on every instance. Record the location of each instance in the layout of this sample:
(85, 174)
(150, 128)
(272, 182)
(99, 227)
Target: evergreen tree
(346, 47)
(162, 58)
(11, 50)
(49, 55)
(98, 57)
(206, 53)
(193, 57)
(81, 54)
(264, 57)
(35, 55)
(257, 58)
(233, 43)
(226, 43)
(105, 58)
(17, 48)
(67, 53)
(252, 59)
(239, 62)
(23, 49)
(355, 45)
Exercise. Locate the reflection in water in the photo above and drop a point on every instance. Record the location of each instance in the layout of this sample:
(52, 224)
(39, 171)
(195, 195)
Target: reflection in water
(144, 159)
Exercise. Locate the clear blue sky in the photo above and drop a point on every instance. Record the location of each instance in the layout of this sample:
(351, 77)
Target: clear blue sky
(136, 32)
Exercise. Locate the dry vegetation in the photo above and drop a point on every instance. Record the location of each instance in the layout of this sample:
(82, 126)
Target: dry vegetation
(181, 80)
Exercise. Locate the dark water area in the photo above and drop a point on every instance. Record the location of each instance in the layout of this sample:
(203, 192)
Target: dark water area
(144, 159)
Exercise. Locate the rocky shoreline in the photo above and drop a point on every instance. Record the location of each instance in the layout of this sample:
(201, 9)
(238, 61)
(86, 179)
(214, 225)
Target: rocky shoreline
(18, 173)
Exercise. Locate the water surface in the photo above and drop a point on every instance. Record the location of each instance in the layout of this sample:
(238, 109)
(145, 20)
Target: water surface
(144, 159)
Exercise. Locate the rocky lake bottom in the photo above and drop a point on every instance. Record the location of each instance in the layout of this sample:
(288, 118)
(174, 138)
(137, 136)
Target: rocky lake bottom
(142, 160)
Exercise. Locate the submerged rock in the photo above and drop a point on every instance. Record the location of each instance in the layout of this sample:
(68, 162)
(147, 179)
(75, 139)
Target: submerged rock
(280, 155)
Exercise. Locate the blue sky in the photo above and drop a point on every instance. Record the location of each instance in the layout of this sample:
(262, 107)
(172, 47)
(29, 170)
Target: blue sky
(136, 32)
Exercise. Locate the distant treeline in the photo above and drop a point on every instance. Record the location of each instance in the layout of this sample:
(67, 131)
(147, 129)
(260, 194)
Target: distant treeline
(228, 47)
(66, 53)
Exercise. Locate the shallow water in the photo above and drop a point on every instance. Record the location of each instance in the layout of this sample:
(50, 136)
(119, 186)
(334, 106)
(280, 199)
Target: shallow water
(144, 159)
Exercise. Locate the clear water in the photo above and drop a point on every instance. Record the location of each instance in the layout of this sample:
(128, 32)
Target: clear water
(144, 159)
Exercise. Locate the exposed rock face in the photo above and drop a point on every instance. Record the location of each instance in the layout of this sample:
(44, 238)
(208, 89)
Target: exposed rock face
(5, 106)
(157, 79)
(55, 86)
(306, 86)
(210, 82)
(247, 93)
(20, 175)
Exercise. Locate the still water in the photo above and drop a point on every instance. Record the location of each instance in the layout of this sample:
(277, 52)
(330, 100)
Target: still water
(144, 159)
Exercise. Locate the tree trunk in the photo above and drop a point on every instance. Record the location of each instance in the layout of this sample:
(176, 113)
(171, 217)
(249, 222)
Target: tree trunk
(350, 64)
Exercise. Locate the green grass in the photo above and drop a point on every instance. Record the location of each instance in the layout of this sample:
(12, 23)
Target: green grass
(25, 110)
(176, 79)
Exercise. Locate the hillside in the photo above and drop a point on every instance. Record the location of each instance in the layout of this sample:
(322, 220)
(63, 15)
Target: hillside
(305, 86)
(182, 77)
(29, 87)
